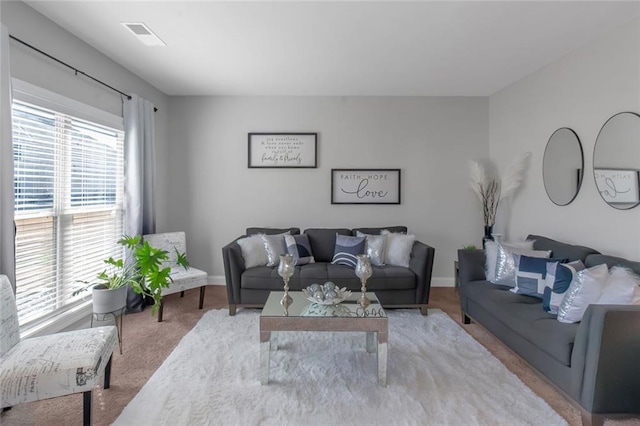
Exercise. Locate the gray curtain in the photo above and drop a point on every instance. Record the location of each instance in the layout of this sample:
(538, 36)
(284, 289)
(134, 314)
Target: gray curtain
(7, 226)
(139, 158)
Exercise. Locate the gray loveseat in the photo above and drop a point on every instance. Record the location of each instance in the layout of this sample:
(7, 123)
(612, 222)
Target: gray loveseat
(594, 362)
(395, 286)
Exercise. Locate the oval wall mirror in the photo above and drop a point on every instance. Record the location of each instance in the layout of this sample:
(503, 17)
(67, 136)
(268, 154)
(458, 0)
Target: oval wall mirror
(616, 161)
(563, 166)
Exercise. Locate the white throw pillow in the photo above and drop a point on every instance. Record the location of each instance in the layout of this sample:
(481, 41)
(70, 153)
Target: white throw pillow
(491, 254)
(620, 287)
(584, 290)
(275, 246)
(506, 266)
(253, 251)
(398, 248)
(374, 247)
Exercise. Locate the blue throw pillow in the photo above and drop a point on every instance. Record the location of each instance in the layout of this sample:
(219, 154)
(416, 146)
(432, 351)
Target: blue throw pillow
(559, 277)
(531, 274)
(299, 247)
(347, 249)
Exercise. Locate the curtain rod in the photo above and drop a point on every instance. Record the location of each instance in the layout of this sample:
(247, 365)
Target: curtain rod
(76, 70)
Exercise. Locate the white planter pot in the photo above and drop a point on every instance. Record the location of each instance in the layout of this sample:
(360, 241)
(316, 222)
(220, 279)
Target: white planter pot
(108, 300)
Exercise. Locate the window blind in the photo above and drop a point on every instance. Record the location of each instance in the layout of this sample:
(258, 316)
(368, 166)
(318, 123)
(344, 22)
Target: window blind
(68, 188)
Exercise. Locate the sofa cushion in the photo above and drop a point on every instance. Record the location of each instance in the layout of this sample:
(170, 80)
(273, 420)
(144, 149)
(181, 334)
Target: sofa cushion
(611, 261)
(506, 267)
(398, 248)
(298, 247)
(378, 231)
(347, 250)
(374, 247)
(562, 250)
(265, 278)
(275, 246)
(523, 315)
(271, 231)
(620, 287)
(531, 276)
(323, 241)
(584, 290)
(386, 277)
(253, 251)
(559, 277)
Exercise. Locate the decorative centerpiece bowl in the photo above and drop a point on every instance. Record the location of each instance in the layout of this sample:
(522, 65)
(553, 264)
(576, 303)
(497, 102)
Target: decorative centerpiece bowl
(326, 294)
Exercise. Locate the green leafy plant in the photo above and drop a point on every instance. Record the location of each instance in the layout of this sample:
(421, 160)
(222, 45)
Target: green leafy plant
(145, 269)
(470, 247)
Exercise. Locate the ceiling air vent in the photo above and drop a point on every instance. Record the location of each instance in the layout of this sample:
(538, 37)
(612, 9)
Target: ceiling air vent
(143, 33)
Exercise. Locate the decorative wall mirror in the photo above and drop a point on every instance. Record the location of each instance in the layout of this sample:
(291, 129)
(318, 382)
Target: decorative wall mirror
(563, 166)
(616, 161)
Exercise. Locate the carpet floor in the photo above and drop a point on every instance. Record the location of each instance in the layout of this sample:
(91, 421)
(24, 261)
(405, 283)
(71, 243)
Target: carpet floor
(147, 343)
(437, 375)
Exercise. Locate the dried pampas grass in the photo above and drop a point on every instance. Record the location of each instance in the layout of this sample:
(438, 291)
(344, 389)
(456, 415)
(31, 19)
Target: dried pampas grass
(490, 191)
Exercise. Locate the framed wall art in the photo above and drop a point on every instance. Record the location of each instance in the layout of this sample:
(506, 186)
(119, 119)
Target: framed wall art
(618, 186)
(283, 150)
(365, 186)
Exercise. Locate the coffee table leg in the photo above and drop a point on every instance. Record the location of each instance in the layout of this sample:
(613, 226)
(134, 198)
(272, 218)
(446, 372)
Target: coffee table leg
(371, 341)
(274, 340)
(265, 349)
(382, 359)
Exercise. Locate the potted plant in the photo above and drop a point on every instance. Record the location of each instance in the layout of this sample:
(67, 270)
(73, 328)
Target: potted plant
(144, 269)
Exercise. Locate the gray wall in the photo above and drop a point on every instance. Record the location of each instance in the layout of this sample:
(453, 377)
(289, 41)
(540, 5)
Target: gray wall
(215, 196)
(28, 65)
(580, 91)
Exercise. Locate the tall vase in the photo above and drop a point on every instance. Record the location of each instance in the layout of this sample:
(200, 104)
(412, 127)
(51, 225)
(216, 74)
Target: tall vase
(488, 231)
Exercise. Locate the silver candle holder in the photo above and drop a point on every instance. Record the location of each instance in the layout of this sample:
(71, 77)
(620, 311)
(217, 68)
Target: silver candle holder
(364, 271)
(285, 270)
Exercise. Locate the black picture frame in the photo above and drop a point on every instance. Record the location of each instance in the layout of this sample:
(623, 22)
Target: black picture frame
(282, 150)
(366, 186)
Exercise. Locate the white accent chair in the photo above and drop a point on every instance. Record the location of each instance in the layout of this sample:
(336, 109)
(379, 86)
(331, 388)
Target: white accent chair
(182, 279)
(50, 366)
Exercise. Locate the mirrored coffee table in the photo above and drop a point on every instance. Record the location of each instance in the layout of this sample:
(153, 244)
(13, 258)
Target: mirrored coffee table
(303, 315)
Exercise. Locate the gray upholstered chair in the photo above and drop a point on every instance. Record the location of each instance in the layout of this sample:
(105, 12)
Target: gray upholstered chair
(50, 366)
(182, 279)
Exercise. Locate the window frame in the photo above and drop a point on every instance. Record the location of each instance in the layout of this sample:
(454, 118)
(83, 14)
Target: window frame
(40, 97)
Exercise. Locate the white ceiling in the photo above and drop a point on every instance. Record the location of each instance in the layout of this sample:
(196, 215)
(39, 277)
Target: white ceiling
(425, 48)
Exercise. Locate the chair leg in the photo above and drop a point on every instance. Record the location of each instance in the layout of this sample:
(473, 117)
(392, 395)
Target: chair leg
(86, 408)
(201, 297)
(232, 310)
(6, 409)
(160, 312)
(107, 373)
(182, 294)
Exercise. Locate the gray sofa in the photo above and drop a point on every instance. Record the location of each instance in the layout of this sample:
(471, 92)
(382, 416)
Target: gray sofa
(595, 362)
(395, 286)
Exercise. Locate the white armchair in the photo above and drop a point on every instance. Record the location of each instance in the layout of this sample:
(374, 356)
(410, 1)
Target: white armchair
(50, 366)
(182, 279)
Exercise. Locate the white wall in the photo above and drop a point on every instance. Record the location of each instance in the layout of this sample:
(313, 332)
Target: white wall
(215, 196)
(580, 91)
(28, 65)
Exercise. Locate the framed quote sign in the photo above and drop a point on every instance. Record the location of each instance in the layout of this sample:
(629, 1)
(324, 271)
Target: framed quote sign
(283, 150)
(365, 186)
(618, 186)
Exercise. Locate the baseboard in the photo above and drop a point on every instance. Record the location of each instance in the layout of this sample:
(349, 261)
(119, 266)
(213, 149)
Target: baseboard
(217, 280)
(442, 282)
(435, 281)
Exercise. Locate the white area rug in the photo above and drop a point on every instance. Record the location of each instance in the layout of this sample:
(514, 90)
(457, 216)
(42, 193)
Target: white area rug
(437, 375)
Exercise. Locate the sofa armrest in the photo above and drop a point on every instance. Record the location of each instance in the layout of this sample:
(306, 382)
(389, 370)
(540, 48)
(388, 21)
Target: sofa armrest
(233, 269)
(421, 264)
(471, 265)
(604, 361)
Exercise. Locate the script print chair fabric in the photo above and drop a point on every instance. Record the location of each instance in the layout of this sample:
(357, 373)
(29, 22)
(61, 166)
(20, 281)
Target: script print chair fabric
(182, 279)
(50, 366)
